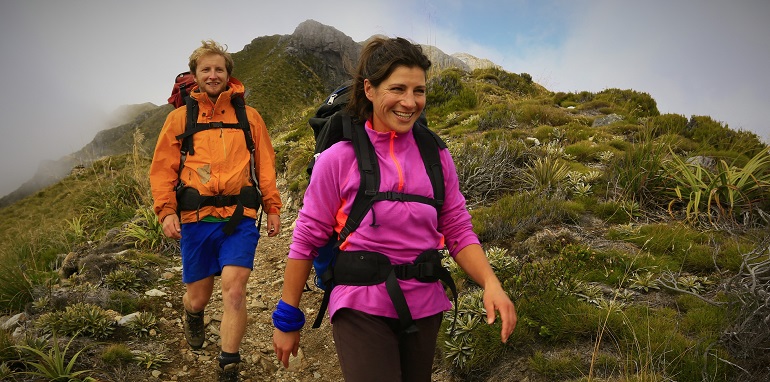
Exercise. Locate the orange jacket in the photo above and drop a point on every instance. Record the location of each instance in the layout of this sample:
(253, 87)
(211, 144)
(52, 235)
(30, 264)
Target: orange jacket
(221, 164)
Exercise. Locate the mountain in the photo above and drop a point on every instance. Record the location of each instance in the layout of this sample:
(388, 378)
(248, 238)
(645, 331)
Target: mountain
(603, 219)
(299, 69)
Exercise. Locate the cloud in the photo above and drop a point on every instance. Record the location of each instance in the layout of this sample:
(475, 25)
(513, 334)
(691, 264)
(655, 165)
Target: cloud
(68, 64)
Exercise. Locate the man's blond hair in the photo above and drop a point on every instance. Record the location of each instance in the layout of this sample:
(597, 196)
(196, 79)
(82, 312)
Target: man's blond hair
(209, 47)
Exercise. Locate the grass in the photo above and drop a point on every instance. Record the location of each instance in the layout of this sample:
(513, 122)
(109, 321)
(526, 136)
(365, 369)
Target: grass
(585, 233)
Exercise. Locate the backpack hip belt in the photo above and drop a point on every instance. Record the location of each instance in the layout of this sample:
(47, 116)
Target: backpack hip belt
(363, 268)
(190, 199)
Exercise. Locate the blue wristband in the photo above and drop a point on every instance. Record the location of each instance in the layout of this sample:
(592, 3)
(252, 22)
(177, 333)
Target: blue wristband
(287, 318)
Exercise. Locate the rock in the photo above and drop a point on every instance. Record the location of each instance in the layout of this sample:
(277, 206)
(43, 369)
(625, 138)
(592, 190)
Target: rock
(607, 120)
(296, 362)
(69, 266)
(125, 320)
(13, 321)
(155, 293)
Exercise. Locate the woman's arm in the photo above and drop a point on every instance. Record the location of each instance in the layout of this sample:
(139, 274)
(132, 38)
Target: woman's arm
(295, 276)
(474, 262)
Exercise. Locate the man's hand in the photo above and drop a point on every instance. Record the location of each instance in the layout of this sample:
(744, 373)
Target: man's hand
(171, 227)
(273, 225)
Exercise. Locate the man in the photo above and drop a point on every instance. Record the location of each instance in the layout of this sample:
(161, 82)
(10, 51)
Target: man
(211, 202)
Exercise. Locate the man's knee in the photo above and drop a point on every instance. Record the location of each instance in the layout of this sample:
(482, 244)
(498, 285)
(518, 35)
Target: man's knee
(196, 302)
(234, 280)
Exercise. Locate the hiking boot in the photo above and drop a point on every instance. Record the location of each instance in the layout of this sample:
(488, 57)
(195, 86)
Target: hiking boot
(194, 331)
(230, 372)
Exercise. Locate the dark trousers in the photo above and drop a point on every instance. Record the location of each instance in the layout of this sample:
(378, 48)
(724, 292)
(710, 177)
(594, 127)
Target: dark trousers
(370, 348)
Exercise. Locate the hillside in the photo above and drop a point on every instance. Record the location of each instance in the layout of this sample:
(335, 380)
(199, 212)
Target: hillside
(634, 244)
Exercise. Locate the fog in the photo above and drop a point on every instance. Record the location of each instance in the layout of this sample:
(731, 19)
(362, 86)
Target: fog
(69, 64)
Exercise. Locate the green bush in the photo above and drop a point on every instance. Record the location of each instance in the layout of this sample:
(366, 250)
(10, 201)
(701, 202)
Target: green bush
(55, 364)
(669, 124)
(514, 217)
(444, 87)
(529, 114)
(78, 319)
(497, 117)
(143, 324)
(122, 301)
(117, 355)
(629, 102)
(639, 173)
(713, 134)
(487, 170)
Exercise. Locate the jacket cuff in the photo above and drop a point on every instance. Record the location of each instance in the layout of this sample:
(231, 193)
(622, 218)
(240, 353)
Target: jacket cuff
(165, 212)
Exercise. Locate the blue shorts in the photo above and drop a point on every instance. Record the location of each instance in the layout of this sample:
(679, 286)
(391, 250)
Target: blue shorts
(206, 249)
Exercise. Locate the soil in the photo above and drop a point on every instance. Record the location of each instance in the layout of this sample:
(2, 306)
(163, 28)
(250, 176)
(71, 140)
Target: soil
(316, 360)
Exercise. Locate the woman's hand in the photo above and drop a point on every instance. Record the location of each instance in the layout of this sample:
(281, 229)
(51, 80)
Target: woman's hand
(284, 345)
(495, 299)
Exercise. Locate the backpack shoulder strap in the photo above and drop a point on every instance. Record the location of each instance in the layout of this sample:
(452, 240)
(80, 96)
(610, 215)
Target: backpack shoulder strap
(192, 119)
(369, 169)
(429, 144)
(243, 121)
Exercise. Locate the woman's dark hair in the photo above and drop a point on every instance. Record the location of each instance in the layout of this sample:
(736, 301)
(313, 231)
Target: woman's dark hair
(379, 58)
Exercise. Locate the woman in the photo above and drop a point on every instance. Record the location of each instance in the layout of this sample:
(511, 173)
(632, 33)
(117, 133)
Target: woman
(388, 96)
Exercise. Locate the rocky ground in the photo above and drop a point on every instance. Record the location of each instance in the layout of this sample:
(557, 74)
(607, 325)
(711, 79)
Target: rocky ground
(316, 360)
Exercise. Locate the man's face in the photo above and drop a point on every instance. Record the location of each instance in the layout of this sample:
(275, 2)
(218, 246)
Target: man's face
(211, 75)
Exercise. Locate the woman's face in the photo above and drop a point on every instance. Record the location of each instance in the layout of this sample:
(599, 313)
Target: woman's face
(398, 101)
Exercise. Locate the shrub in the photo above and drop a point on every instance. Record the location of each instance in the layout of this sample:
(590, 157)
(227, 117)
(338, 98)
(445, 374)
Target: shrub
(639, 173)
(519, 84)
(629, 102)
(123, 279)
(444, 87)
(497, 117)
(534, 115)
(146, 232)
(143, 324)
(723, 195)
(123, 302)
(55, 364)
(78, 319)
(514, 217)
(487, 171)
(117, 355)
(547, 175)
(669, 124)
(474, 344)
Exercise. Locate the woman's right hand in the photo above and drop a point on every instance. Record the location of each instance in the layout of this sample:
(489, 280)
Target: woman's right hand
(285, 344)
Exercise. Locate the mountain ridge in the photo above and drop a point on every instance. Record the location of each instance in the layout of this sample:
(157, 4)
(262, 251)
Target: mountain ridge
(332, 52)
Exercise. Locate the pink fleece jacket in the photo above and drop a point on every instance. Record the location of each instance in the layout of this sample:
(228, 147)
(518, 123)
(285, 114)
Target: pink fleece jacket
(403, 230)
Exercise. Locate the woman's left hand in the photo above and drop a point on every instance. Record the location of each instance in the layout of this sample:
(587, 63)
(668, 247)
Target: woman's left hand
(495, 299)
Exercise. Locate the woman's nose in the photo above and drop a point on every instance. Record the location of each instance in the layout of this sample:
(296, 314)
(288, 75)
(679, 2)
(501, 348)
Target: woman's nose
(409, 100)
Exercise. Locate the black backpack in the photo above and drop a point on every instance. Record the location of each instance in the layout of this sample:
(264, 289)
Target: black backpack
(188, 198)
(331, 124)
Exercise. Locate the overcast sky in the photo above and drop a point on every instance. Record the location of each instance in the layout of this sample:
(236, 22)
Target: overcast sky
(68, 64)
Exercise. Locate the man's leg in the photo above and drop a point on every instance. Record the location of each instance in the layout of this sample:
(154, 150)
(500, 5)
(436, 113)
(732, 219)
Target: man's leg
(233, 327)
(198, 294)
(195, 300)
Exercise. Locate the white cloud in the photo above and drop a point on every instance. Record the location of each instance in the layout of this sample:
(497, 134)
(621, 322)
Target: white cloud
(68, 63)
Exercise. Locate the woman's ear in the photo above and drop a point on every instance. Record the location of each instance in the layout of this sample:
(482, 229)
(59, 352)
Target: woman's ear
(368, 89)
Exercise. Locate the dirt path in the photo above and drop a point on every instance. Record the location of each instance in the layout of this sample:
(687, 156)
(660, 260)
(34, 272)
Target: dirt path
(317, 360)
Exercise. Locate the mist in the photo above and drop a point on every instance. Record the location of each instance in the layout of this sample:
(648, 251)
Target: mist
(70, 64)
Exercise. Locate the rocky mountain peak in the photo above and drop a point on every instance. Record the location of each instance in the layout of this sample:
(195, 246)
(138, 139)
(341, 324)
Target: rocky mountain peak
(474, 62)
